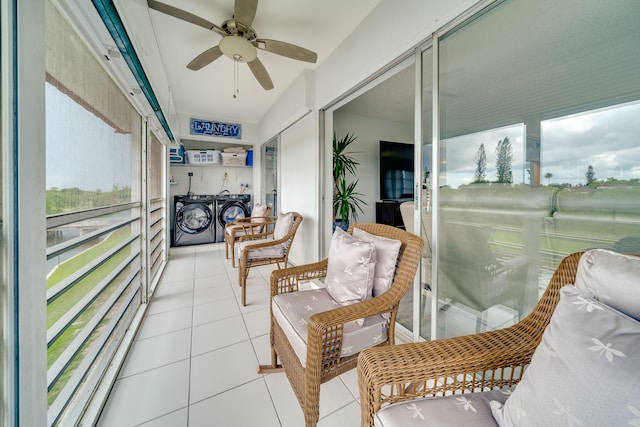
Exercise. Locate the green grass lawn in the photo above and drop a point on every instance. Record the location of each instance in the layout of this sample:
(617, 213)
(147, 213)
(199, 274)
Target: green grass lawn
(63, 304)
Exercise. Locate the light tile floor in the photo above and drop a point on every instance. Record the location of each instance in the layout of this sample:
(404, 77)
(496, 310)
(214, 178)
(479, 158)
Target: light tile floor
(194, 360)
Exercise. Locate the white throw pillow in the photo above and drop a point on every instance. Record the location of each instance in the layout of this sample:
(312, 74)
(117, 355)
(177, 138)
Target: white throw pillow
(585, 372)
(387, 251)
(612, 278)
(258, 210)
(350, 268)
(283, 225)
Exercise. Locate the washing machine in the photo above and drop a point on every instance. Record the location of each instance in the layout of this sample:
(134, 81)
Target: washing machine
(194, 221)
(229, 207)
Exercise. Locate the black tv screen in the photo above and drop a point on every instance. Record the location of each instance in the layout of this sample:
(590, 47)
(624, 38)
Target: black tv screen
(396, 171)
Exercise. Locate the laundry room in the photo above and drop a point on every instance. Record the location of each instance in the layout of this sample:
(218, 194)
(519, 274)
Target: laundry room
(206, 184)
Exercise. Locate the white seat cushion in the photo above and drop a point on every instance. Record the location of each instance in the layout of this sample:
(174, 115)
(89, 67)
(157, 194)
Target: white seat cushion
(236, 230)
(469, 409)
(272, 251)
(293, 310)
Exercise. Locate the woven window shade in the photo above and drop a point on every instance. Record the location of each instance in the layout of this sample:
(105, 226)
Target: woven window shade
(75, 71)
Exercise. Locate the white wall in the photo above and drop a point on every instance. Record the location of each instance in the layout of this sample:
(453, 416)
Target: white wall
(210, 179)
(370, 132)
(299, 182)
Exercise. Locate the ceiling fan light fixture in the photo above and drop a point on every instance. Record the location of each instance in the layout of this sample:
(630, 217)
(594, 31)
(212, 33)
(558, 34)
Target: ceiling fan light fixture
(238, 49)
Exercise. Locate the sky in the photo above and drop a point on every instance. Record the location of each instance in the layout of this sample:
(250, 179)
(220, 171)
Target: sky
(91, 156)
(607, 139)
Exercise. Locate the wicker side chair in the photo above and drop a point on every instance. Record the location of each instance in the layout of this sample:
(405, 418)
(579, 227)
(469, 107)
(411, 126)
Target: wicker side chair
(325, 355)
(268, 247)
(466, 364)
(255, 224)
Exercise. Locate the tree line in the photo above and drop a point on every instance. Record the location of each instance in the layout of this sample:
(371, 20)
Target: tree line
(74, 199)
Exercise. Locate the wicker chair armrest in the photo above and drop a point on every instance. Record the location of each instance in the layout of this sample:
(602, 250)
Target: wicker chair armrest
(454, 365)
(321, 322)
(256, 236)
(266, 243)
(288, 279)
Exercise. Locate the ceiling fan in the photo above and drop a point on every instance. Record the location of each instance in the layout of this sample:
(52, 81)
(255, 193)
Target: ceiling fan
(239, 40)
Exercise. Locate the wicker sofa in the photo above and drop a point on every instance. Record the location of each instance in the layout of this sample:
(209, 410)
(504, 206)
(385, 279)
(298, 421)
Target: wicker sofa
(580, 347)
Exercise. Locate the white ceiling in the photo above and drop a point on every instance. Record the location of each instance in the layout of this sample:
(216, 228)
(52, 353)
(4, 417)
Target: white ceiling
(208, 93)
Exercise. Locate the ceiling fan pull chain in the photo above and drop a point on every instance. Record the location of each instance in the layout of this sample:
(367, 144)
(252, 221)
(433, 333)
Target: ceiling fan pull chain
(235, 78)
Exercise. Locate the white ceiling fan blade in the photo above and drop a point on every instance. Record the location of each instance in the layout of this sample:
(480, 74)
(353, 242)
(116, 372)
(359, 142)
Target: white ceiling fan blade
(286, 49)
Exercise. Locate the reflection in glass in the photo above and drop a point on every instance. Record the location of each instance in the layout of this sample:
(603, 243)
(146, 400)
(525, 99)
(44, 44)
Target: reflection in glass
(566, 181)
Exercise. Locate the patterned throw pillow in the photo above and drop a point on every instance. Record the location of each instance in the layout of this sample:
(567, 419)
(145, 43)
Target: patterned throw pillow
(611, 278)
(585, 372)
(350, 268)
(387, 251)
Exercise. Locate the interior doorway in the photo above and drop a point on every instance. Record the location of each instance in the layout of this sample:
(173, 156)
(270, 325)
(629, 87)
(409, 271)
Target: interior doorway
(270, 174)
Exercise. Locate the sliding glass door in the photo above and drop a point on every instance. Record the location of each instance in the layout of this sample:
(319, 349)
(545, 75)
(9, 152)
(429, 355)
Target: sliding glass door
(539, 147)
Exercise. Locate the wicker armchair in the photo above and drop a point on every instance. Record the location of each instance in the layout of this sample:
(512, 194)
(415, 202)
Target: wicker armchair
(324, 345)
(245, 226)
(269, 247)
(465, 364)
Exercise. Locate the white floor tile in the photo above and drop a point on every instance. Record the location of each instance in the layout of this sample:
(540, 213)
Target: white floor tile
(284, 400)
(172, 289)
(333, 396)
(178, 418)
(262, 347)
(257, 322)
(350, 380)
(204, 295)
(147, 396)
(215, 280)
(157, 351)
(206, 268)
(160, 304)
(222, 370)
(258, 299)
(348, 416)
(221, 333)
(215, 310)
(168, 321)
(248, 405)
(178, 270)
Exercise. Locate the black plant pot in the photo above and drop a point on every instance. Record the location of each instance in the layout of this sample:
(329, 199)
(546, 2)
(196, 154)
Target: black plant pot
(339, 223)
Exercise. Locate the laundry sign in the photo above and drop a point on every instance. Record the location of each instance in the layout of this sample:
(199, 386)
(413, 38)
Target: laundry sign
(207, 127)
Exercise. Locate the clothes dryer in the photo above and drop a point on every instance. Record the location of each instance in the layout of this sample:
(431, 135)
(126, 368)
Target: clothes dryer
(230, 207)
(194, 220)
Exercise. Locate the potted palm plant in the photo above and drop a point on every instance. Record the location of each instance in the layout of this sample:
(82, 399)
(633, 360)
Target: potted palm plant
(346, 200)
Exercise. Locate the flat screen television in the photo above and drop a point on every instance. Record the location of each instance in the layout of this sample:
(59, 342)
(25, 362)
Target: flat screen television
(396, 171)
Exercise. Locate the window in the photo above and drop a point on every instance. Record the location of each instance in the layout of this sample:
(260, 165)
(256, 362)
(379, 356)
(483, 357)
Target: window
(94, 231)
